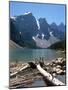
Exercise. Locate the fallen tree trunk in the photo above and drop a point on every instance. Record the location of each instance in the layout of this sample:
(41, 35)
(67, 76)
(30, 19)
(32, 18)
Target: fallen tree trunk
(50, 80)
(15, 73)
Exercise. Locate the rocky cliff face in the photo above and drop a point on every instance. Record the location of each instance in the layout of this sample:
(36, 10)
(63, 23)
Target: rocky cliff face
(27, 25)
(44, 27)
(14, 33)
(58, 30)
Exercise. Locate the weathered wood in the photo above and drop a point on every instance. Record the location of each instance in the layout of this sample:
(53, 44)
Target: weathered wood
(48, 77)
(15, 73)
(27, 65)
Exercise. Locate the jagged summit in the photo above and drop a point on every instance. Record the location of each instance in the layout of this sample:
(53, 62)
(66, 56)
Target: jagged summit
(42, 20)
(61, 24)
(53, 25)
(27, 13)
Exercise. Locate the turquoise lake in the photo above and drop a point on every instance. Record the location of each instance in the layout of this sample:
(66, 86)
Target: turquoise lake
(21, 54)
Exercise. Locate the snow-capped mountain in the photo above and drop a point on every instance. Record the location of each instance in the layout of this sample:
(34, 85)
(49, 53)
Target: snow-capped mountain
(26, 30)
(27, 25)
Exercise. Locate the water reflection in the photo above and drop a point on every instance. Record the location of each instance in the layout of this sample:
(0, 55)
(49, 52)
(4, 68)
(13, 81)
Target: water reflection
(31, 54)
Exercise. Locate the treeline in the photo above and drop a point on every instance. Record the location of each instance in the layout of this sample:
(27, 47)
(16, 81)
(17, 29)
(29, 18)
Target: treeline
(59, 45)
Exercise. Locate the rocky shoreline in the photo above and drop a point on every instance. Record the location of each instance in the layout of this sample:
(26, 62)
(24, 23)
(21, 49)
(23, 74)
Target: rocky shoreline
(27, 75)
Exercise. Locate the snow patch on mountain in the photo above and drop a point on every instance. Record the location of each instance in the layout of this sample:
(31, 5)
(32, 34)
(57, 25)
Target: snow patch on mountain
(27, 13)
(53, 39)
(43, 36)
(38, 24)
(50, 33)
(14, 18)
(37, 35)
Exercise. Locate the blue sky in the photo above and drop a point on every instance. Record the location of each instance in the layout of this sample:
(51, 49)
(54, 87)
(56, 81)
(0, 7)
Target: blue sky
(52, 12)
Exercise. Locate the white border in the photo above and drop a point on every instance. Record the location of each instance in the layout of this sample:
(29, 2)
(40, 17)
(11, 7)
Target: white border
(4, 43)
(44, 1)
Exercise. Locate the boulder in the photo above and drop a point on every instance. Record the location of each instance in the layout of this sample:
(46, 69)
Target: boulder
(47, 64)
(60, 72)
(58, 66)
(54, 70)
(54, 74)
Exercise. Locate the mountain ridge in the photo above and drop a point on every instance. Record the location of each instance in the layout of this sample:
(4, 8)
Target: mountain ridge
(24, 29)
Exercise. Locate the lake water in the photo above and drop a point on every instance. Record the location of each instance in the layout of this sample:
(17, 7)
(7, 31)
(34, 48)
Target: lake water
(32, 54)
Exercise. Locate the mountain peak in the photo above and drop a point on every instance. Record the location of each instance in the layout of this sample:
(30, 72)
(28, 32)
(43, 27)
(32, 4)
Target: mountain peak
(61, 24)
(13, 18)
(53, 24)
(43, 20)
(27, 13)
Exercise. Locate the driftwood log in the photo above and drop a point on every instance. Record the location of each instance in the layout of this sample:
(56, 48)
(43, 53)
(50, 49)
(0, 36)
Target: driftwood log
(49, 78)
(15, 73)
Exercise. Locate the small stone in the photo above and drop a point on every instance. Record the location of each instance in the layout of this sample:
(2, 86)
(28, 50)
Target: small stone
(48, 64)
(60, 72)
(53, 61)
(58, 66)
(54, 64)
(59, 59)
(54, 69)
(64, 71)
(54, 74)
(57, 69)
(64, 67)
(51, 64)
